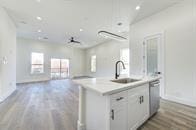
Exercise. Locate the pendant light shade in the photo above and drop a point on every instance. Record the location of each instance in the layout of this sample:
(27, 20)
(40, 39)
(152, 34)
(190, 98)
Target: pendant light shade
(112, 36)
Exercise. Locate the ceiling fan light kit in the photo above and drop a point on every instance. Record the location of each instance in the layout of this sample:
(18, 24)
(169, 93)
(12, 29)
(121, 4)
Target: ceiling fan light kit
(107, 34)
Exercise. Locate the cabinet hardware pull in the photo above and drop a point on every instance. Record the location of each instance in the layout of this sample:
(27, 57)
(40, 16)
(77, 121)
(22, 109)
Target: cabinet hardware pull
(112, 114)
(118, 99)
(140, 99)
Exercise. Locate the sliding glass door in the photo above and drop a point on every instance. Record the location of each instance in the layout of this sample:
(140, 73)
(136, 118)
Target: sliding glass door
(59, 68)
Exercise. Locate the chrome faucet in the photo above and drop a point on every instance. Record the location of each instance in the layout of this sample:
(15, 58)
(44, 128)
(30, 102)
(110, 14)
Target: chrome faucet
(116, 74)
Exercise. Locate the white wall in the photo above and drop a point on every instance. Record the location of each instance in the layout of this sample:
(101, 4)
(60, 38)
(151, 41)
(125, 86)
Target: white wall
(107, 54)
(7, 49)
(50, 50)
(178, 23)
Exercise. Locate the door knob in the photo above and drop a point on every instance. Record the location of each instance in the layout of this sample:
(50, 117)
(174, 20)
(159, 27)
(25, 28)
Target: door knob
(157, 72)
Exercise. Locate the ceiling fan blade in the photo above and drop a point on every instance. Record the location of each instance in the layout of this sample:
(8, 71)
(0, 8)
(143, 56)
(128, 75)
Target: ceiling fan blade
(77, 42)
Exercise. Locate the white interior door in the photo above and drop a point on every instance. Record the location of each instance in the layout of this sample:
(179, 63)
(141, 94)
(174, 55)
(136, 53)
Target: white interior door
(153, 58)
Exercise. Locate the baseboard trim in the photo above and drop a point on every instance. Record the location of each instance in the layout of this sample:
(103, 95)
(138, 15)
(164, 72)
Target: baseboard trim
(32, 81)
(80, 126)
(5, 96)
(180, 100)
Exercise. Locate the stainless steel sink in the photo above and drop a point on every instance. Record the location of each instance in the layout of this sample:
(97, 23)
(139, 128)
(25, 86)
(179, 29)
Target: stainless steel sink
(125, 80)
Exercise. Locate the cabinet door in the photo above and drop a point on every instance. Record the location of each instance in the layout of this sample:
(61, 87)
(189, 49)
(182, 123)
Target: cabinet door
(118, 120)
(133, 111)
(138, 106)
(144, 106)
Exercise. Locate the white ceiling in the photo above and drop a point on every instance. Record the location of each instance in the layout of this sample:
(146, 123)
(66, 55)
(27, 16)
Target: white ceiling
(62, 19)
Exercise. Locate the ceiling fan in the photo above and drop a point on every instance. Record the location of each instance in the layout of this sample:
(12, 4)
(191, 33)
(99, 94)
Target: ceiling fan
(71, 40)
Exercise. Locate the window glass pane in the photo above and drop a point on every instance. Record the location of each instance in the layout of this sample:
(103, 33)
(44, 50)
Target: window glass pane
(37, 58)
(64, 68)
(59, 68)
(152, 56)
(37, 69)
(37, 63)
(55, 63)
(124, 56)
(55, 68)
(93, 63)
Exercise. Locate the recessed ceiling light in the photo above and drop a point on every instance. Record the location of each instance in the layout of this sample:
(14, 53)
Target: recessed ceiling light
(39, 18)
(38, 0)
(81, 30)
(137, 7)
(39, 30)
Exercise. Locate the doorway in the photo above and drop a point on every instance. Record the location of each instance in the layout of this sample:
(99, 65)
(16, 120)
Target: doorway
(153, 58)
(59, 68)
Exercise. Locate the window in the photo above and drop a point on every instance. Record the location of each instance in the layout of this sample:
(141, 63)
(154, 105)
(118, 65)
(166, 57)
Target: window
(93, 63)
(124, 56)
(37, 63)
(59, 68)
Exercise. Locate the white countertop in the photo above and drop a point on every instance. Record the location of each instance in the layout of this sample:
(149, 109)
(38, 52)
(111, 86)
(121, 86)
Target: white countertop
(105, 86)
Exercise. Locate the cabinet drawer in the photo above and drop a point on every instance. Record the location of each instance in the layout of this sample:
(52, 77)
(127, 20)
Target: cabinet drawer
(138, 89)
(118, 98)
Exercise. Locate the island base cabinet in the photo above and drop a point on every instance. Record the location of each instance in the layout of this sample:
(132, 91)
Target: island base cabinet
(138, 106)
(125, 110)
(129, 109)
(118, 114)
(133, 111)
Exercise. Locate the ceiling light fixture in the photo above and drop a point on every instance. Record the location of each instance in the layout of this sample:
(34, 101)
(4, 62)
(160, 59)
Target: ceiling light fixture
(137, 7)
(38, 1)
(112, 36)
(39, 30)
(81, 30)
(39, 18)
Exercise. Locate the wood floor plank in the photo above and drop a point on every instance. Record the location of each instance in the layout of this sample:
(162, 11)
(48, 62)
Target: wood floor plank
(53, 105)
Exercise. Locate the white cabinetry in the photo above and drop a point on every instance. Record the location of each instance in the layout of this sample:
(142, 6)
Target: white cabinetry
(118, 116)
(138, 106)
(129, 109)
(125, 110)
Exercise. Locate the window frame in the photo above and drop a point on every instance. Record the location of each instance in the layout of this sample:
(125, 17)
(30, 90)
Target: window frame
(31, 64)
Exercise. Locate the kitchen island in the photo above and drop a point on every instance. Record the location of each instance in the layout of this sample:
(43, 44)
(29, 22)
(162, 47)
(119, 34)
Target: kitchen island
(109, 104)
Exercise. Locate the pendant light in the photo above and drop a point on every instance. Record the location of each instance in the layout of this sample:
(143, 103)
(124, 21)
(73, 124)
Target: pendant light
(108, 34)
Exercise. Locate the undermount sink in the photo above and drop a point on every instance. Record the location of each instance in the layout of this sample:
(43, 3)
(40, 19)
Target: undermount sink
(125, 80)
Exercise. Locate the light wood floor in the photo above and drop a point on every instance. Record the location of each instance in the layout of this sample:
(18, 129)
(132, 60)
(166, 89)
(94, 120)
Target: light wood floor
(41, 106)
(172, 116)
(53, 106)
